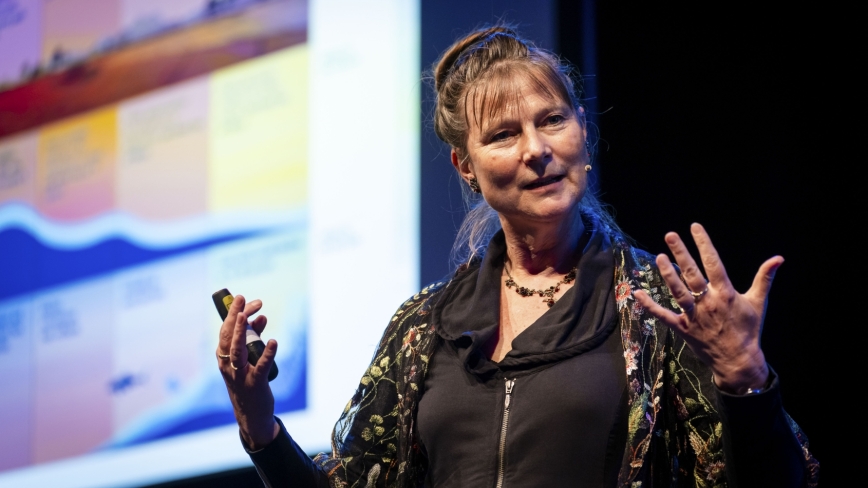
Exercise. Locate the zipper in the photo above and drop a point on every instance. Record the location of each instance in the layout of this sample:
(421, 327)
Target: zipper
(503, 426)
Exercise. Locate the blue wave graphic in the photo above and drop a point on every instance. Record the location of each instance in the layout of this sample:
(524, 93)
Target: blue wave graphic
(40, 253)
(30, 265)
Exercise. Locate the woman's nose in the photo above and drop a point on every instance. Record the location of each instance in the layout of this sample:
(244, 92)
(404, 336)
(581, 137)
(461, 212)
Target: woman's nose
(535, 148)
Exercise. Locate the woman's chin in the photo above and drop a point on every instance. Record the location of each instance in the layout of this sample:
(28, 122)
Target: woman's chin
(556, 207)
(545, 214)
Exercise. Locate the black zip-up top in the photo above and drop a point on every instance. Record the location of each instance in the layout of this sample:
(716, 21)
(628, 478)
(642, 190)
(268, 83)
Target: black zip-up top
(551, 413)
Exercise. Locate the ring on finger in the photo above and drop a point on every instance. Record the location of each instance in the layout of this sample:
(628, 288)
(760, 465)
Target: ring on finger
(233, 366)
(686, 309)
(222, 356)
(698, 295)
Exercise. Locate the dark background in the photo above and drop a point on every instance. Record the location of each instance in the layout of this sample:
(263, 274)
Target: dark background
(715, 116)
(711, 114)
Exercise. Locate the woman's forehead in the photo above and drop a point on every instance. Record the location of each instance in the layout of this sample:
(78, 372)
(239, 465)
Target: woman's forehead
(505, 94)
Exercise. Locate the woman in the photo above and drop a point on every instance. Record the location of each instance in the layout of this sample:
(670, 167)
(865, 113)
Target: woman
(513, 372)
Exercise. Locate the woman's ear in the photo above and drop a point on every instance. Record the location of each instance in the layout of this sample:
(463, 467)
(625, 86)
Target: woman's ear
(463, 166)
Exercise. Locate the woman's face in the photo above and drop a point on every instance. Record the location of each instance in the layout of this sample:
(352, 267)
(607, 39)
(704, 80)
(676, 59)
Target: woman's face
(529, 158)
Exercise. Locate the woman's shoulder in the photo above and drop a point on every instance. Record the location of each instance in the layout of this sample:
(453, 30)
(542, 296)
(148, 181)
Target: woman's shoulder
(421, 308)
(421, 300)
(413, 313)
(628, 256)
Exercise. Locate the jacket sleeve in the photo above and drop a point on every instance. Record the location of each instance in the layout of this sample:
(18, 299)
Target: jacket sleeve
(283, 464)
(748, 440)
(763, 445)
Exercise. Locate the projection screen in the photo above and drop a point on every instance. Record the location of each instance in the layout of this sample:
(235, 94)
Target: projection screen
(155, 151)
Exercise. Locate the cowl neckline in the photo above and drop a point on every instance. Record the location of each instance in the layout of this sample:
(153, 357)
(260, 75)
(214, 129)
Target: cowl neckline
(469, 312)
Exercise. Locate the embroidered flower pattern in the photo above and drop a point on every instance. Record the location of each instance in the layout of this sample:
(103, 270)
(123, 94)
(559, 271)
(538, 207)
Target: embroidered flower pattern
(715, 470)
(622, 293)
(630, 357)
(636, 311)
(648, 326)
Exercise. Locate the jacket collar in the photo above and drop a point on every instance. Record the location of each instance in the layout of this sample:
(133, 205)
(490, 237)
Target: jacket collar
(582, 318)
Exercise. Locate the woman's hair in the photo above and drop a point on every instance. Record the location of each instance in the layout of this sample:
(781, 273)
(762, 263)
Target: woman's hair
(477, 74)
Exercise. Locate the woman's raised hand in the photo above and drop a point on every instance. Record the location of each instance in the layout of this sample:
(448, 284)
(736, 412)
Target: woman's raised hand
(248, 387)
(720, 325)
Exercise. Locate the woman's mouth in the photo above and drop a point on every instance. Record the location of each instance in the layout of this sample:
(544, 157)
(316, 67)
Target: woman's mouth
(540, 182)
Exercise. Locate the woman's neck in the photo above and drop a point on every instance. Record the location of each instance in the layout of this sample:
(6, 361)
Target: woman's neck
(542, 250)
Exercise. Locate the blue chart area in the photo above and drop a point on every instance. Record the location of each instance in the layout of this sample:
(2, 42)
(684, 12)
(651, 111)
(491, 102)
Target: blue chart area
(128, 302)
(36, 266)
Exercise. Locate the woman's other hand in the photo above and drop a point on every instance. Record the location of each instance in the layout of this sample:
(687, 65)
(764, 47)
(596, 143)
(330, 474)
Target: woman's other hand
(248, 386)
(720, 325)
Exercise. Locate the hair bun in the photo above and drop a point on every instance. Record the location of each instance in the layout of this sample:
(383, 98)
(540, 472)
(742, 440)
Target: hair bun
(450, 57)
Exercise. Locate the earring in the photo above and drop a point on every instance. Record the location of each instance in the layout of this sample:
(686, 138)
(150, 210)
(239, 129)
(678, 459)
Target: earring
(588, 168)
(474, 185)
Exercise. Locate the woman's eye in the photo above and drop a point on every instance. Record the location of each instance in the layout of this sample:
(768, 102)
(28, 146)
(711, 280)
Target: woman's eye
(500, 136)
(555, 119)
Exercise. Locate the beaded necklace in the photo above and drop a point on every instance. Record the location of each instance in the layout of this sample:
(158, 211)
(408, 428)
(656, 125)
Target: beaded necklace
(548, 295)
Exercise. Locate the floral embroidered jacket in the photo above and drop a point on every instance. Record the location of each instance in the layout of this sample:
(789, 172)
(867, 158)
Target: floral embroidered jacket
(674, 427)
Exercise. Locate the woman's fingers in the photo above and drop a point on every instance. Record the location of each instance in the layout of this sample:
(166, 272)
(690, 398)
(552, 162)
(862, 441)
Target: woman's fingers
(689, 270)
(227, 330)
(679, 290)
(251, 308)
(710, 259)
(263, 366)
(238, 349)
(668, 317)
(762, 282)
(228, 327)
(233, 334)
(258, 323)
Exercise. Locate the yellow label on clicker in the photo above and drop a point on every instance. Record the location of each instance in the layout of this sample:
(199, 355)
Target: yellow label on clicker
(227, 300)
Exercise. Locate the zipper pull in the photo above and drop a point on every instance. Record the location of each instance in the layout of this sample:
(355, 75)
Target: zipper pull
(509, 385)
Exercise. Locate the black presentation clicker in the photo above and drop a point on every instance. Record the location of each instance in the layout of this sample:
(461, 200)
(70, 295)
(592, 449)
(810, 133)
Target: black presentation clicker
(255, 346)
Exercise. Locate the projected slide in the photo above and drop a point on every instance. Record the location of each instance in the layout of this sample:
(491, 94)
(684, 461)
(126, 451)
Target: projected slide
(155, 151)
(134, 182)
